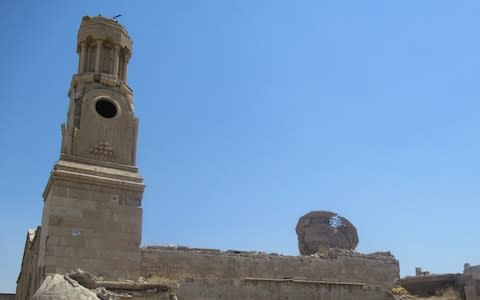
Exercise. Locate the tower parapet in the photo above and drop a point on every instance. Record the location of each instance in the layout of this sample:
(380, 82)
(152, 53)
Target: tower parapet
(104, 47)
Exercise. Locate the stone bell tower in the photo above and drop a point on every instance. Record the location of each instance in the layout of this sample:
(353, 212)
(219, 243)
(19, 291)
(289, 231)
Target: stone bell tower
(92, 214)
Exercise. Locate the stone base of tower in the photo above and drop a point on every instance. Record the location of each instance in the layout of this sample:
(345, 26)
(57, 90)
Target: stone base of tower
(92, 219)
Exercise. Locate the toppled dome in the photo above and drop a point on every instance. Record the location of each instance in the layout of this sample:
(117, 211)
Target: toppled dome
(319, 230)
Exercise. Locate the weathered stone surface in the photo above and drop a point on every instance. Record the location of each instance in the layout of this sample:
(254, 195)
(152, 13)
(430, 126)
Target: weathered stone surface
(252, 289)
(320, 230)
(58, 287)
(29, 280)
(174, 265)
(84, 278)
(471, 278)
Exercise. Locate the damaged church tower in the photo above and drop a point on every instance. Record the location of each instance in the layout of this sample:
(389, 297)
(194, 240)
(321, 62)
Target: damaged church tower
(92, 215)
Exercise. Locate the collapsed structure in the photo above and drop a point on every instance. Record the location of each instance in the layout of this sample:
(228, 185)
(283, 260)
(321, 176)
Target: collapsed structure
(92, 214)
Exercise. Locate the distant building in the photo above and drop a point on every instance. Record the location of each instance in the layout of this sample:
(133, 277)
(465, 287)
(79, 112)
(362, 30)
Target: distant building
(7, 296)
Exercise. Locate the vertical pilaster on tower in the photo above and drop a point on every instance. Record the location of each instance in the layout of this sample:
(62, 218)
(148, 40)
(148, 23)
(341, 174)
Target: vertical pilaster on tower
(92, 203)
(81, 61)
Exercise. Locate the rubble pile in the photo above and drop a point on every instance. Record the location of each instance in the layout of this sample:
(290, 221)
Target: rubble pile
(81, 285)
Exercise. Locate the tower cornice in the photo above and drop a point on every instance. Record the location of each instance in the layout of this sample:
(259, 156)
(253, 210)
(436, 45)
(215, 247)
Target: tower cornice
(101, 28)
(82, 172)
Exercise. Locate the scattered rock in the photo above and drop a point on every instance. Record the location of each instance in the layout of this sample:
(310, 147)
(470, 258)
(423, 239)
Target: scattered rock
(105, 294)
(84, 278)
(58, 287)
(81, 285)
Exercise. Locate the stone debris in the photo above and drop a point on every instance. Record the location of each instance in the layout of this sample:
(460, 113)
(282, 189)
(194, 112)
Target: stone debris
(322, 254)
(213, 251)
(320, 230)
(84, 278)
(333, 253)
(58, 287)
(401, 293)
(81, 285)
(105, 294)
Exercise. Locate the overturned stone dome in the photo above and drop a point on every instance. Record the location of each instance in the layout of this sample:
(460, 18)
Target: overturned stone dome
(319, 230)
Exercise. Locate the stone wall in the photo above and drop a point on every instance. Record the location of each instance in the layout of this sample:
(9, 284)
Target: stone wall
(471, 278)
(93, 227)
(431, 284)
(210, 273)
(29, 278)
(208, 289)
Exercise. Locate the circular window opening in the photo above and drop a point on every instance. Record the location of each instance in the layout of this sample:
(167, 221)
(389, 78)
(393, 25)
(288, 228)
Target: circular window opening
(106, 108)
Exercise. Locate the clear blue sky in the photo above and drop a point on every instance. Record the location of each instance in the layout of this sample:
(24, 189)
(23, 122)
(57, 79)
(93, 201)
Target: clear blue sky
(253, 113)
